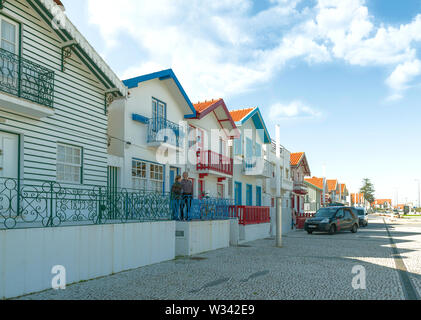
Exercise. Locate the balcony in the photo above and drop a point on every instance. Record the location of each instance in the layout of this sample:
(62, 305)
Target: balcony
(260, 168)
(164, 132)
(287, 185)
(28, 87)
(300, 188)
(210, 162)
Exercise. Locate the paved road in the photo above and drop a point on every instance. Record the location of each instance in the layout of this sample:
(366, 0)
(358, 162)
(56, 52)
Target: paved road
(315, 266)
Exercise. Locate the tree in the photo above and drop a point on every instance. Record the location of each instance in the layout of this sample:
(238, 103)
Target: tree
(368, 190)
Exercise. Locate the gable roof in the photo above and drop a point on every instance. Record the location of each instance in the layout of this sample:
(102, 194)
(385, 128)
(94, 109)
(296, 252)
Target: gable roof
(243, 115)
(162, 75)
(71, 36)
(220, 110)
(296, 158)
(332, 185)
(299, 158)
(382, 201)
(238, 115)
(316, 182)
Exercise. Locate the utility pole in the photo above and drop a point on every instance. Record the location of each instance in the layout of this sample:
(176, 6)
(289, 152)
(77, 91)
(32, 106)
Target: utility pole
(279, 199)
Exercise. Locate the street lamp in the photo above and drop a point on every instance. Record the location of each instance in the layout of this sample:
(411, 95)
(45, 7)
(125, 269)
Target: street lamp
(419, 194)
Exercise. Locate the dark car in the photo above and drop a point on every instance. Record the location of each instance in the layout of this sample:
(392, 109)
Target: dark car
(362, 216)
(332, 220)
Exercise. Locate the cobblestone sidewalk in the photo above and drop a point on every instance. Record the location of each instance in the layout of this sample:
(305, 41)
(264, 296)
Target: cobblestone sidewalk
(315, 266)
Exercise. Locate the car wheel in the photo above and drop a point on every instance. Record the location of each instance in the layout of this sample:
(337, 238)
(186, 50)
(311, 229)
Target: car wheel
(332, 229)
(310, 232)
(354, 228)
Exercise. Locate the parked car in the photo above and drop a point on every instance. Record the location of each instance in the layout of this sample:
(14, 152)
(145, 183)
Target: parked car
(362, 215)
(332, 220)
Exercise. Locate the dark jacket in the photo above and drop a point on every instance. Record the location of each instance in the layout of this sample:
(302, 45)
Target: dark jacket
(176, 190)
(187, 186)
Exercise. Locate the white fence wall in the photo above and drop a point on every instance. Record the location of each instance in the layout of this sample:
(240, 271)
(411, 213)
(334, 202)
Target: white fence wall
(201, 236)
(27, 256)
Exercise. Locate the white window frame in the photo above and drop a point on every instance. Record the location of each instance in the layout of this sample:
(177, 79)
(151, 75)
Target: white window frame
(148, 180)
(17, 26)
(69, 164)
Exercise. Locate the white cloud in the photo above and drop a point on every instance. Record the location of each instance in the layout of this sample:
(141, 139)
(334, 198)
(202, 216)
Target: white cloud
(220, 48)
(404, 73)
(293, 110)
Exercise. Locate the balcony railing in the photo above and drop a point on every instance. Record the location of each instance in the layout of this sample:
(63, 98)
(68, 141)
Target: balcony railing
(26, 79)
(300, 187)
(250, 215)
(209, 160)
(258, 167)
(161, 130)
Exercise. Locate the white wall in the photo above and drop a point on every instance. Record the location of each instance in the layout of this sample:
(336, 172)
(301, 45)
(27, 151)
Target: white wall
(254, 232)
(201, 236)
(87, 252)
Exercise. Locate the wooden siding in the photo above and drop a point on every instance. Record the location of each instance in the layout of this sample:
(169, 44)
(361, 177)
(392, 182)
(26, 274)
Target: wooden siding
(79, 117)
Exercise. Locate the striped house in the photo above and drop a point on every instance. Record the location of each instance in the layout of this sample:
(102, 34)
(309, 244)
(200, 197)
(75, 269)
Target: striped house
(54, 94)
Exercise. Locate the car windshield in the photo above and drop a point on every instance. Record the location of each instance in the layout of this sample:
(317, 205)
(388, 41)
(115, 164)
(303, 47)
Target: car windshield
(361, 212)
(326, 213)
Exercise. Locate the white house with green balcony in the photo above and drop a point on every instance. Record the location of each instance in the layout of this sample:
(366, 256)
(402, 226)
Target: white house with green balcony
(56, 204)
(54, 93)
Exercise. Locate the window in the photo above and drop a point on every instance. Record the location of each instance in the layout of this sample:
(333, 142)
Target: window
(9, 35)
(157, 177)
(249, 148)
(139, 175)
(69, 164)
(147, 176)
(238, 146)
(159, 114)
(258, 150)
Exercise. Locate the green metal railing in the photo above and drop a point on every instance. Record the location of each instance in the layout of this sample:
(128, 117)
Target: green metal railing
(26, 79)
(35, 203)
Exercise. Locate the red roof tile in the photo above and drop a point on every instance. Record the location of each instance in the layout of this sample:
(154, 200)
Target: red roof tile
(296, 158)
(382, 201)
(331, 185)
(317, 182)
(238, 115)
(202, 106)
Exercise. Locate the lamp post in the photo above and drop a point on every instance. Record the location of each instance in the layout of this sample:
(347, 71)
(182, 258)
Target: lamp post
(419, 194)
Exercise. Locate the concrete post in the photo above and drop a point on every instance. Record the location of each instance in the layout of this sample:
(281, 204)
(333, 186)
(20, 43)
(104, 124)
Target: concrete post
(279, 222)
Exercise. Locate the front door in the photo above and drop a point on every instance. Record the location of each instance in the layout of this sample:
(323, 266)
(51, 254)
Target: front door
(9, 169)
(238, 194)
(201, 189)
(258, 196)
(9, 155)
(174, 172)
(249, 195)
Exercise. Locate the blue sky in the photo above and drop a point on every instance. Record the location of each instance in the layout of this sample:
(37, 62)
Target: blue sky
(342, 78)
